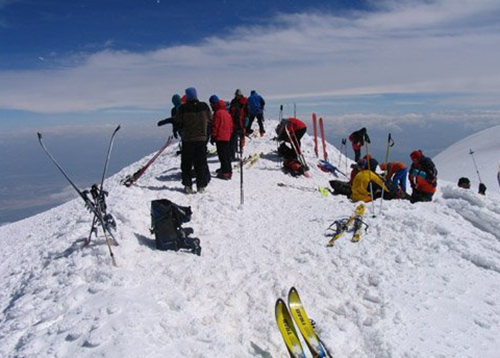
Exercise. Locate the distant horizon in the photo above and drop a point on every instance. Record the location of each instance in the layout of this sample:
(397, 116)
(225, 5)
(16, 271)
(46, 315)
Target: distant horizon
(425, 71)
(31, 184)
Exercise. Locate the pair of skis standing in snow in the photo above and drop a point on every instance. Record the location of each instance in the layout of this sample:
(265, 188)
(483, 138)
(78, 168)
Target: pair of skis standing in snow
(96, 204)
(95, 198)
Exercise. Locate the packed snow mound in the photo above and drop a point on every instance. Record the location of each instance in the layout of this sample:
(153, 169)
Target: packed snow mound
(456, 161)
(422, 282)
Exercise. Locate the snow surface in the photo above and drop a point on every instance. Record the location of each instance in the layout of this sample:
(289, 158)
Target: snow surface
(424, 281)
(455, 161)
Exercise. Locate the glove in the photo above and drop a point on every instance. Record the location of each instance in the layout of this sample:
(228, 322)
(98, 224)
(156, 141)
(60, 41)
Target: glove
(482, 189)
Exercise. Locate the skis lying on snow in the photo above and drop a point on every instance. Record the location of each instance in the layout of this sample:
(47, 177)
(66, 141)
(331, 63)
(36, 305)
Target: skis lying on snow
(329, 168)
(97, 206)
(353, 223)
(322, 190)
(131, 179)
(285, 319)
(250, 160)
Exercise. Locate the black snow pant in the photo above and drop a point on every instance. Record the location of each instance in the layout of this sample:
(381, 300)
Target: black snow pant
(417, 196)
(260, 120)
(233, 145)
(224, 158)
(357, 155)
(194, 154)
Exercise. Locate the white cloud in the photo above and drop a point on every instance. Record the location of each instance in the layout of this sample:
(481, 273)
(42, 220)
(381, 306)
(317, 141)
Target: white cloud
(403, 47)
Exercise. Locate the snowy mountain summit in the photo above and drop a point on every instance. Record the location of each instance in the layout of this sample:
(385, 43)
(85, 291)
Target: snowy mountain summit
(424, 281)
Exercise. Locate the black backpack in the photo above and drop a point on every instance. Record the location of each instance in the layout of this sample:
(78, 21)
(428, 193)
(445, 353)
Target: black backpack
(166, 224)
(286, 152)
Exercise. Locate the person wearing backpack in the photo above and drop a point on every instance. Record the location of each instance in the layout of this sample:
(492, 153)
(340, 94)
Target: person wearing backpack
(294, 125)
(238, 111)
(222, 128)
(357, 139)
(193, 118)
(255, 105)
(423, 177)
(367, 176)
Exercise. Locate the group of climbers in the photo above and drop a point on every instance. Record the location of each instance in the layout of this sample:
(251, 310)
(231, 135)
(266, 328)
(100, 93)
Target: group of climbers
(226, 124)
(365, 184)
(221, 124)
(422, 176)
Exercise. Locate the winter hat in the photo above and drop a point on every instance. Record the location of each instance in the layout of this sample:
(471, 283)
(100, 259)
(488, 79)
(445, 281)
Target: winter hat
(176, 100)
(214, 99)
(371, 164)
(464, 182)
(191, 94)
(416, 155)
(238, 92)
(252, 92)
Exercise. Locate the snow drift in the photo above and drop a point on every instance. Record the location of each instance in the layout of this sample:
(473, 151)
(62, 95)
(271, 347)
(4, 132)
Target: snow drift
(422, 282)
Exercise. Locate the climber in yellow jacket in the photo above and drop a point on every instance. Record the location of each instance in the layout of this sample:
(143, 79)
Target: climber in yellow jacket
(361, 183)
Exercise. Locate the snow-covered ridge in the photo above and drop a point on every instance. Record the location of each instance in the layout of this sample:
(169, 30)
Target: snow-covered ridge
(422, 282)
(455, 161)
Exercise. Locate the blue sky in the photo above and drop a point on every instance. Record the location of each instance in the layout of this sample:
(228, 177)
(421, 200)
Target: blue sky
(425, 70)
(107, 59)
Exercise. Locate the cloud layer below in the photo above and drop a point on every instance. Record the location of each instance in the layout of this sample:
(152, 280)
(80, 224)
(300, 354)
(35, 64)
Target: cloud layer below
(444, 46)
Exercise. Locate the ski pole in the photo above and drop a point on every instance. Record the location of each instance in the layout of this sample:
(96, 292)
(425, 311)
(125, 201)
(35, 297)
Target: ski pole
(341, 151)
(367, 140)
(475, 165)
(280, 117)
(315, 128)
(344, 140)
(322, 131)
(390, 143)
(242, 198)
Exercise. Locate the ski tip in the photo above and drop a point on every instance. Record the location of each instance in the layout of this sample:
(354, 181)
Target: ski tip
(118, 128)
(39, 135)
(279, 304)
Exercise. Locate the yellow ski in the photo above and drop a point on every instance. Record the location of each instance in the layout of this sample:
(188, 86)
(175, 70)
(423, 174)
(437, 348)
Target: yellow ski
(255, 158)
(287, 330)
(305, 327)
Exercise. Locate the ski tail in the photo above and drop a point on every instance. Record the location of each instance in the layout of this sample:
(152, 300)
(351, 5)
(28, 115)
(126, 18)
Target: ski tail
(131, 179)
(305, 327)
(322, 130)
(58, 166)
(315, 134)
(108, 155)
(287, 330)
